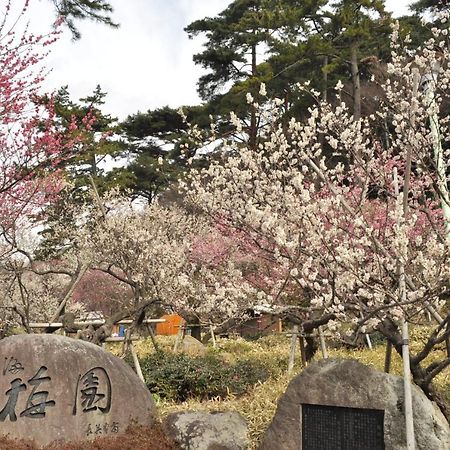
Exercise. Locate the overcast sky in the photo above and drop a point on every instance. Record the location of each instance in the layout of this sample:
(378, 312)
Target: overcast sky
(146, 63)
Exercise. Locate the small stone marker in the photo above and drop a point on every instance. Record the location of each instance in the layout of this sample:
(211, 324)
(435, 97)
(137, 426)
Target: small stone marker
(339, 404)
(54, 388)
(192, 347)
(208, 430)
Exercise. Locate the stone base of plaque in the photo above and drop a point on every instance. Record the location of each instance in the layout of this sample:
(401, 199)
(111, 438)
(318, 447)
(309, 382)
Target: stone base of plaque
(339, 404)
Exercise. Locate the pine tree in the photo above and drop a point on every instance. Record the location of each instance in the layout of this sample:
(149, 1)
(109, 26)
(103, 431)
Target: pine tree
(74, 10)
(422, 6)
(83, 168)
(97, 144)
(357, 30)
(158, 148)
(234, 38)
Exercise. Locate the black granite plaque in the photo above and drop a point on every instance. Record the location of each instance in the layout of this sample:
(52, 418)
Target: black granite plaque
(336, 428)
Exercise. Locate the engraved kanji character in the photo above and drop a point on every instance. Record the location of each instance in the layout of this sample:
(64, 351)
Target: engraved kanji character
(90, 395)
(93, 391)
(37, 400)
(10, 408)
(12, 365)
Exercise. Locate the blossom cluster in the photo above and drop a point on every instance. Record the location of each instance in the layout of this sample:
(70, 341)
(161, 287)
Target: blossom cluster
(319, 197)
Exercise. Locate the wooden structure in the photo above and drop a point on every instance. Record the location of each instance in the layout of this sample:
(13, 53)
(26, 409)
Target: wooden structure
(170, 325)
(260, 325)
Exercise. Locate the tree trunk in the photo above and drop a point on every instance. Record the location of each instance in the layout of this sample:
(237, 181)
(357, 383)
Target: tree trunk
(285, 116)
(225, 327)
(196, 329)
(308, 327)
(253, 122)
(325, 79)
(419, 377)
(93, 163)
(355, 81)
(324, 92)
(76, 277)
(99, 335)
(419, 374)
(310, 348)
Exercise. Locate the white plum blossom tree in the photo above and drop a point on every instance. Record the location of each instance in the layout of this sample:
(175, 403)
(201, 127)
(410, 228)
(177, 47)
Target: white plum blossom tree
(156, 251)
(319, 198)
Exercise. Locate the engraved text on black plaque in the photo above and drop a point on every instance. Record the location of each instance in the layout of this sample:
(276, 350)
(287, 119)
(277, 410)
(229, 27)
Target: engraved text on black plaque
(336, 428)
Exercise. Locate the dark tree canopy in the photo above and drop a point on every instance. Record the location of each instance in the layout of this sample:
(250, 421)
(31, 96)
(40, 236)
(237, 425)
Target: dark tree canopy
(421, 6)
(75, 10)
(156, 141)
(232, 38)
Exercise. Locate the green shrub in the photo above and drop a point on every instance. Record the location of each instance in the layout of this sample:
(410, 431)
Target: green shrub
(377, 338)
(237, 346)
(179, 377)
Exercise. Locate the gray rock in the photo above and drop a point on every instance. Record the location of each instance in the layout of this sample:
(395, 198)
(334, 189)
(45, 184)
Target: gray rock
(54, 388)
(192, 347)
(208, 430)
(347, 383)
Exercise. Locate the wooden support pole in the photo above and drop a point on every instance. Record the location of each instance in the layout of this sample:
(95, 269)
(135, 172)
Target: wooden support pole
(388, 357)
(369, 342)
(323, 344)
(409, 417)
(153, 338)
(180, 336)
(126, 343)
(136, 363)
(429, 83)
(447, 341)
(213, 337)
(121, 339)
(303, 351)
(89, 322)
(293, 344)
(410, 440)
(366, 336)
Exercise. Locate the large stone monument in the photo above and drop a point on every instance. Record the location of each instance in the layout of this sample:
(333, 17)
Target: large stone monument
(339, 404)
(54, 388)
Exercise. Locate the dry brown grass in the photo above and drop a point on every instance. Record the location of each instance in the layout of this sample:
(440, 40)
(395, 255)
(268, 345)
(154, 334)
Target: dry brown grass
(259, 406)
(136, 438)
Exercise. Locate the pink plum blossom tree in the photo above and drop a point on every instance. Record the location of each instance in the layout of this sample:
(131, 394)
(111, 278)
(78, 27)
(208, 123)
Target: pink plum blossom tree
(31, 144)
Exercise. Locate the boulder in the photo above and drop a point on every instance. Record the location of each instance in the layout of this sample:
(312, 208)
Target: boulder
(207, 430)
(192, 347)
(350, 384)
(54, 388)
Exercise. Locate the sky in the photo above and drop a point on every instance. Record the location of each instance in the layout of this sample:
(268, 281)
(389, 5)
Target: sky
(146, 63)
